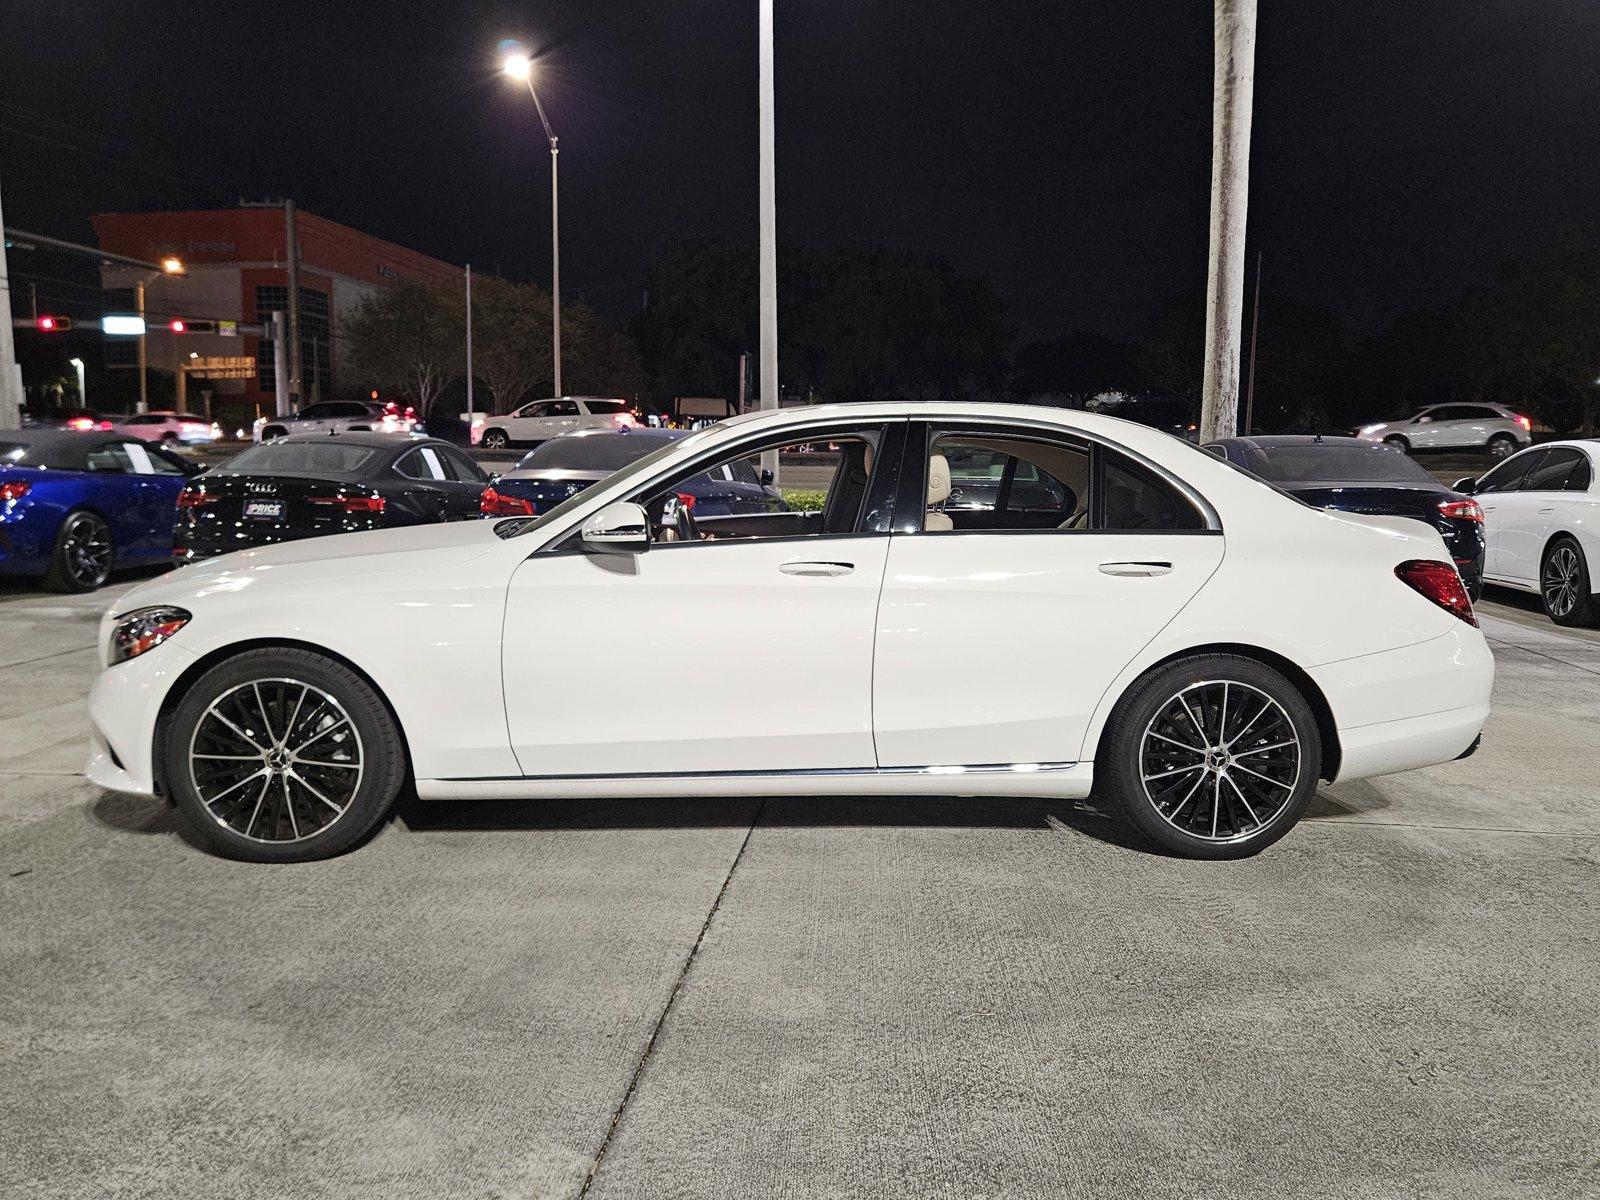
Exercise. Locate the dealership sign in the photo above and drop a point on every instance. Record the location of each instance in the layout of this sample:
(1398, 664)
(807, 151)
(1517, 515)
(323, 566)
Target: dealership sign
(222, 366)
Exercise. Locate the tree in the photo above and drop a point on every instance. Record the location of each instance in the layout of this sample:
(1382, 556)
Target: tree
(410, 336)
(511, 339)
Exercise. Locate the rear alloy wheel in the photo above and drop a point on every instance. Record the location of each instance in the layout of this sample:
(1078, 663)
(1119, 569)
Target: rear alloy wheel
(1564, 584)
(494, 439)
(1214, 756)
(1398, 442)
(1502, 445)
(283, 756)
(83, 554)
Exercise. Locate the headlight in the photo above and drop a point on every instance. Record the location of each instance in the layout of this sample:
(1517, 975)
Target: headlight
(144, 629)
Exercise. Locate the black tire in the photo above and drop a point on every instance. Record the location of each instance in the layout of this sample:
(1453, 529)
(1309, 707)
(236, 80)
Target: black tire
(83, 556)
(169, 436)
(1564, 586)
(273, 431)
(1501, 446)
(1400, 443)
(1204, 802)
(494, 439)
(289, 705)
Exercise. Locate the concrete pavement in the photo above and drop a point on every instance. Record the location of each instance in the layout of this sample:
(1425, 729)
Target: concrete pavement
(807, 997)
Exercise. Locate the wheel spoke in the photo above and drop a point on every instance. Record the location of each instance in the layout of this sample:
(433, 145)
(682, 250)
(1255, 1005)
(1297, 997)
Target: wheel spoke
(266, 721)
(1251, 723)
(1242, 797)
(260, 796)
(319, 735)
(1195, 721)
(1264, 749)
(1288, 787)
(235, 787)
(288, 803)
(306, 783)
(212, 711)
(1176, 742)
(1179, 771)
(333, 766)
(1188, 796)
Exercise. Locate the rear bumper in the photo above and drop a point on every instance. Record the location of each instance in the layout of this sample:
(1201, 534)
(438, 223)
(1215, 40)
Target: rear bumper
(1411, 707)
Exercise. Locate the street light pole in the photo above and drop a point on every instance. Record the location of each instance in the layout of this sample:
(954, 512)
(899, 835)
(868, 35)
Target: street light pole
(520, 66)
(144, 385)
(10, 373)
(769, 226)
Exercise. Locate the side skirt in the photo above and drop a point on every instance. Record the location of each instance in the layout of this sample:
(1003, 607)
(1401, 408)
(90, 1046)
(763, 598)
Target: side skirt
(1053, 780)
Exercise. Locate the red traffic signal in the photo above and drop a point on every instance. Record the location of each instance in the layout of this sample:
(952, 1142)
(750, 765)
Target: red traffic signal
(52, 324)
(176, 326)
(188, 325)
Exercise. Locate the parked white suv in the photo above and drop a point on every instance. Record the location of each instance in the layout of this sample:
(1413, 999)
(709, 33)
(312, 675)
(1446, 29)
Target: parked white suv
(546, 419)
(1491, 427)
(338, 416)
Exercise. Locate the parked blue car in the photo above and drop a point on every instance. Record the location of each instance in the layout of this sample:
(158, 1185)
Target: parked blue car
(566, 465)
(76, 506)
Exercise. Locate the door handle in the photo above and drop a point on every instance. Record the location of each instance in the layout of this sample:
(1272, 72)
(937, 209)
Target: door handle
(818, 569)
(1546, 511)
(1136, 570)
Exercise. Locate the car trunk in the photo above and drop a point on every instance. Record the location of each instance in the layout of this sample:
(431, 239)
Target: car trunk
(237, 511)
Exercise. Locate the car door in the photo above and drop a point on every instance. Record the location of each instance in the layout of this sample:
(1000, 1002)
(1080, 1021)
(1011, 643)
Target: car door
(1000, 629)
(1527, 513)
(463, 483)
(1423, 430)
(125, 498)
(1493, 492)
(602, 652)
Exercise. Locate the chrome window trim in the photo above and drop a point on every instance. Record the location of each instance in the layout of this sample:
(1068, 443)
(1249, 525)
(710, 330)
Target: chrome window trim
(799, 772)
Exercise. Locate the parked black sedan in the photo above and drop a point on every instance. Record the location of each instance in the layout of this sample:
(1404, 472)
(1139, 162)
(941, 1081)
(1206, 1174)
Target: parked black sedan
(308, 485)
(1351, 475)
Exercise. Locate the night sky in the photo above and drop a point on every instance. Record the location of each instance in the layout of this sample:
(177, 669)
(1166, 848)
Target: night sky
(1063, 149)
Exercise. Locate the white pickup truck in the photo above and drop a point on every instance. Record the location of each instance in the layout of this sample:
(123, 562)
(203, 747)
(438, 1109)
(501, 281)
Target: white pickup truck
(545, 419)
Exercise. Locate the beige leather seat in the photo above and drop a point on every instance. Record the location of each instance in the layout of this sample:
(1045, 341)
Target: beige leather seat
(938, 493)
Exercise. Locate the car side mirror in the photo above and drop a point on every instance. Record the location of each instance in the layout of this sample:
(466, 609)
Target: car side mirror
(620, 528)
(1465, 486)
(767, 477)
(196, 468)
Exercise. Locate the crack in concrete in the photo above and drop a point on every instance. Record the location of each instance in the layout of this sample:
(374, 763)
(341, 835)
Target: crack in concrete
(672, 998)
(44, 657)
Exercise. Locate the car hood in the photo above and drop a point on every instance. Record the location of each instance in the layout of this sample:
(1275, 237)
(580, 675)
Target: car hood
(437, 547)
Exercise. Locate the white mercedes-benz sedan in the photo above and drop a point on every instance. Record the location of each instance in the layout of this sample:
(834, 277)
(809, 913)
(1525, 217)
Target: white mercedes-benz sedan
(1110, 608)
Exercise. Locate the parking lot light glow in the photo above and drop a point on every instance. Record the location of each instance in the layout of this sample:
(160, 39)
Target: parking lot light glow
(518, 67)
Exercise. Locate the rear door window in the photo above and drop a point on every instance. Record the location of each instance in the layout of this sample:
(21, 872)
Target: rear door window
(1551, 474)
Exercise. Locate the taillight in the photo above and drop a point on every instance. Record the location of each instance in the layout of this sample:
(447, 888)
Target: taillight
(351, 504)
(498, 504)
(1439, 582)
(685, 499)
(189, 498)
(15, 490)
(1461, 510)
(1527, 425)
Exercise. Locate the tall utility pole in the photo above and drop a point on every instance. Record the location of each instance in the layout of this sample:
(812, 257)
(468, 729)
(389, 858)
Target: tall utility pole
(1232, 92)
(291, 239)
(1250, 386)
(10, 373)
(144, 368)
(470, 413)
(769, 228)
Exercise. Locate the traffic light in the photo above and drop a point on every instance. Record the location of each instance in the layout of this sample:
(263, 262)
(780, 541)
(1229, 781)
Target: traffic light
(43, 323)
(189, 325)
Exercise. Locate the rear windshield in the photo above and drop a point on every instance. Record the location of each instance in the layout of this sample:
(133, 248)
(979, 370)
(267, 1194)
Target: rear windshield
(331, 457)
(1337, 464)
(602, 452)
(606, 406)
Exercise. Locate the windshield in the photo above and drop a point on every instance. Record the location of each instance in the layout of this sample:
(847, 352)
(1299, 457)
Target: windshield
(331, 457)
(590, 452)
(1337, 463)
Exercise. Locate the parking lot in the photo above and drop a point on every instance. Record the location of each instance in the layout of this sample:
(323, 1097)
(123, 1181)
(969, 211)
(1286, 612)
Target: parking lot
(807, 998)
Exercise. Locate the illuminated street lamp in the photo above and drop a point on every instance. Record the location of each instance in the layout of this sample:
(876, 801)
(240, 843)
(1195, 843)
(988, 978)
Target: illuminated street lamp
(173, 265)
(519, 67)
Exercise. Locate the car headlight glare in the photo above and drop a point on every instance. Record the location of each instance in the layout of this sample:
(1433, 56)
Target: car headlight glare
(144, 629)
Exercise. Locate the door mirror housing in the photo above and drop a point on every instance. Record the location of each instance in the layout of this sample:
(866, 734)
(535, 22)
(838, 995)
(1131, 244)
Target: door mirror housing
(1465, 486)
(620, 528)
(767, 477)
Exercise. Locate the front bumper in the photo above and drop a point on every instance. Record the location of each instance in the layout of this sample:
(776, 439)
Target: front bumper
(124, 704)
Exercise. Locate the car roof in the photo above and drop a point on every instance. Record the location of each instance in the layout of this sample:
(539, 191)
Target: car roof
(365, 437)
(66, 449)
(636, 431)
(1267, 441)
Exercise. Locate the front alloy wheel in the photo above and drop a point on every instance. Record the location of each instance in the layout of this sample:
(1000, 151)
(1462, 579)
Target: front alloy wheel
(495, 439)
(1214, 756)
(282, 755)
